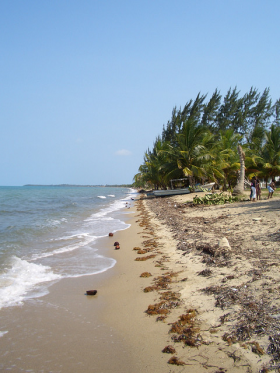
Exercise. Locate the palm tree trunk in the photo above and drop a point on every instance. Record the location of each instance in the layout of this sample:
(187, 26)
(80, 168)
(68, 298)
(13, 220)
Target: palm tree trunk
(191, 181)
(239, 187)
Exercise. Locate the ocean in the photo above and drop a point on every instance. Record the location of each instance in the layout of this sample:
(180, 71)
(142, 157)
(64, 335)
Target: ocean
(48, 233)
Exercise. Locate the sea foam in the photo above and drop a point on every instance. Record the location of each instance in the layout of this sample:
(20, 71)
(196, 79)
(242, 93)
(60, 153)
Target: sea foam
(20, 278)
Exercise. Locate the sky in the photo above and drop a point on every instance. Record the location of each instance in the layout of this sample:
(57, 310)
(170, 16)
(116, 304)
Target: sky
(86, 86)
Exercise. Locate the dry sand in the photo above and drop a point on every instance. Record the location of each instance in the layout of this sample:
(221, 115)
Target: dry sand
(233, 289)
(216, 306)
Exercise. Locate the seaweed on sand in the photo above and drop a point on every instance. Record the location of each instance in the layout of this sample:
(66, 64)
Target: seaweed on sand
(186, 330)
(142, 251)
(274, 347)
(158, 309)
(169, 350)
(214, 255)
(256, 348)
(175, 361)
(160, 318)
(188, 318)
(151, 242)
(148, 289)
(146, 274)
(168, 301)
(145, 258)
(206, 272)
(170, 296)
(253, 318)
(162, 282)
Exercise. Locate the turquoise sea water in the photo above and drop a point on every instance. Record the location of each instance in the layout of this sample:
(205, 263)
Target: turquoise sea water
(50, 233)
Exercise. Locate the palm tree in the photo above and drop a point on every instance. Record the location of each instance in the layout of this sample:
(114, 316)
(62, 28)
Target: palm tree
(151, 172)
(185, 158)
(208, 158)
(271, 154)
(239, 187)
(227, 156)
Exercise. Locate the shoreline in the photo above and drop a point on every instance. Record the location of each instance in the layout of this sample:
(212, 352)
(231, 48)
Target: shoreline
(217, 291)
(67, 331)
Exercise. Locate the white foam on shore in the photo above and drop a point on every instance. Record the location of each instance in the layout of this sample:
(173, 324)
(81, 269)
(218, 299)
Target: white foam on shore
(65, 249)
(113, 262)
(20, 278)
(70, 237)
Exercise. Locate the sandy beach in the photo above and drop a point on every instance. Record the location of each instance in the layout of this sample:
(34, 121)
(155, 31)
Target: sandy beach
(177, 284)
(226, 258)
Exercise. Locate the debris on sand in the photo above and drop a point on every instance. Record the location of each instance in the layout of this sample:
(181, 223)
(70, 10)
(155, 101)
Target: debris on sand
(175, 361)
(143, 258)
(146, 274)
(169, 350)
(186, 329)
(205, 272)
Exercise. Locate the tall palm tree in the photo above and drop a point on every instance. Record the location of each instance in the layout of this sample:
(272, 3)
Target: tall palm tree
(239, 187)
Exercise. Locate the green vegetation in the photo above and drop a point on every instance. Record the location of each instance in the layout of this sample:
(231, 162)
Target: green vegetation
(210, 141)
(214, 199)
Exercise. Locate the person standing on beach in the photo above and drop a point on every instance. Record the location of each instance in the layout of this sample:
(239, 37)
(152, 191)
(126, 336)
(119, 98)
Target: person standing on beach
(253, 190)
(258, 189)
(271, 187)
(251, 193)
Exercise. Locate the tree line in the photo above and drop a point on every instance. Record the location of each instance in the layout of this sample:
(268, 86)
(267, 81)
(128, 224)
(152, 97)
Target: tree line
(200, 142)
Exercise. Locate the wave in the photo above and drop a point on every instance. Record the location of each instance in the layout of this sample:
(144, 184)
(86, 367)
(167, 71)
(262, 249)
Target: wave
(65, 249)
(101, 197)
(115, 206)
(72, 236)
(21, 278)
(54, 222)
(95, 272)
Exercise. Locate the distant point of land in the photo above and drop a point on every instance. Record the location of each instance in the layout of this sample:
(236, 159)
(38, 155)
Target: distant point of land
(82, 186)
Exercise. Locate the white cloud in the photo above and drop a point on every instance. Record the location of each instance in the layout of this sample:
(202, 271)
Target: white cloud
(123, 152)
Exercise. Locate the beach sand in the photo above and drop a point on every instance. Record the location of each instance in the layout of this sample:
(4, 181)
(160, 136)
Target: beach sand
(228, 258)
(67, 331)
(215, 305)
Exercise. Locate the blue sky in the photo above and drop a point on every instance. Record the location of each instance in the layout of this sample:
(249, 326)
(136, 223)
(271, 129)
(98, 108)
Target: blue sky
(86, 86)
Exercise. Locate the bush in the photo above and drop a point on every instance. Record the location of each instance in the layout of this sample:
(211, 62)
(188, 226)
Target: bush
(214, 199)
